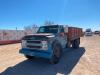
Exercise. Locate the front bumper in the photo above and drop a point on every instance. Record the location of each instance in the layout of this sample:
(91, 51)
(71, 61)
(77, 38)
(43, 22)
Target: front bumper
(37, 53)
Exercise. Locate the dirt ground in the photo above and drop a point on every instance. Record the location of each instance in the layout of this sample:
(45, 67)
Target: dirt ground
(82, 61)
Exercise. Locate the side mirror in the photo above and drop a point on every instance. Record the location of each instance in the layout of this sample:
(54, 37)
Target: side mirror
(66, 29)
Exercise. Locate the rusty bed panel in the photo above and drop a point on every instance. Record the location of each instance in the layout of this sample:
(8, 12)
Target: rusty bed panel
(74, 33)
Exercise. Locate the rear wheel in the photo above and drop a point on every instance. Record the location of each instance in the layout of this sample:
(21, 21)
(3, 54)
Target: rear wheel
(57, 51)
(29, 57)
(76, 43)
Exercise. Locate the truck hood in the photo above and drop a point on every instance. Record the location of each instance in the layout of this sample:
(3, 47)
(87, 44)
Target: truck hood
(41, 34)
(38, 36)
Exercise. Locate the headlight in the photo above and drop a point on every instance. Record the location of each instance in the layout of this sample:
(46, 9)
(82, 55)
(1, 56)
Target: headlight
(23, 43)
(44, 45)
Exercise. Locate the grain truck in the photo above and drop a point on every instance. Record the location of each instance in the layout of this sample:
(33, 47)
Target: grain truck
(50, 42)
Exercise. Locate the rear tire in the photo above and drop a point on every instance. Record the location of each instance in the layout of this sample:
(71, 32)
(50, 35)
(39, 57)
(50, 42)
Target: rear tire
(57, 51)
(76, 43)
(29, 57)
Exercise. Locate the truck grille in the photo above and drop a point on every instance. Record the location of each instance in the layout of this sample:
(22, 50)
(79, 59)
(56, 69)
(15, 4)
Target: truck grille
(34, 44)
(33, 41)
(35, 47)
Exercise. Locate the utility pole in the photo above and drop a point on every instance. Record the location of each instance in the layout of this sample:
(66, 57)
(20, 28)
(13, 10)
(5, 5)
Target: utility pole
(16, 34)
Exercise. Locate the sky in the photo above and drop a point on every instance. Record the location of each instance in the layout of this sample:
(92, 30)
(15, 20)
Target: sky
(77, 13)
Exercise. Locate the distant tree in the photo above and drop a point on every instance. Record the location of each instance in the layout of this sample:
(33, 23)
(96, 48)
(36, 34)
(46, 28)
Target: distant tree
(34, 28)
(27, 28)
(48, 23)
(30, 29)
(5, 35)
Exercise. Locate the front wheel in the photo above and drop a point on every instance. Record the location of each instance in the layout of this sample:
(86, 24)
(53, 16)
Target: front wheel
(57, 51)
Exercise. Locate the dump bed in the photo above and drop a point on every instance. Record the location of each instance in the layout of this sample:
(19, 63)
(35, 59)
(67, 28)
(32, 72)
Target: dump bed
(74, 33)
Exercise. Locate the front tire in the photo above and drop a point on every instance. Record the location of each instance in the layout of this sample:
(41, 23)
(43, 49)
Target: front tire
(57, 51)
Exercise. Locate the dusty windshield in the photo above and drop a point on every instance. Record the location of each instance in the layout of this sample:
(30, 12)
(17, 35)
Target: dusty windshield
(48, 29)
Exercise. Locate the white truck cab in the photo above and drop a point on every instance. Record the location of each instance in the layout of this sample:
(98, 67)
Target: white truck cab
(88, 32)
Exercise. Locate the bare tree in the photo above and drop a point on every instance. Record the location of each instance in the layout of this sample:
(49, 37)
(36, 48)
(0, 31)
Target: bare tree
(5, 35)
(30, 29)
(48, 23)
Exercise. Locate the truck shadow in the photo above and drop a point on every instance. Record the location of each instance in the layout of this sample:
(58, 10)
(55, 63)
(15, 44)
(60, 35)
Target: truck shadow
(42, 67)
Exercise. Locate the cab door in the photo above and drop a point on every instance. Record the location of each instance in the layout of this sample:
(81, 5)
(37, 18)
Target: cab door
(62, 37)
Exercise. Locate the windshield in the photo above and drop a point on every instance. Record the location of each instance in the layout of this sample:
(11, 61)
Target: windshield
(48, 29)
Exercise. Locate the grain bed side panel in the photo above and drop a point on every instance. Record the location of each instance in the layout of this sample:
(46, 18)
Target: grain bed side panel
(74, 33)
